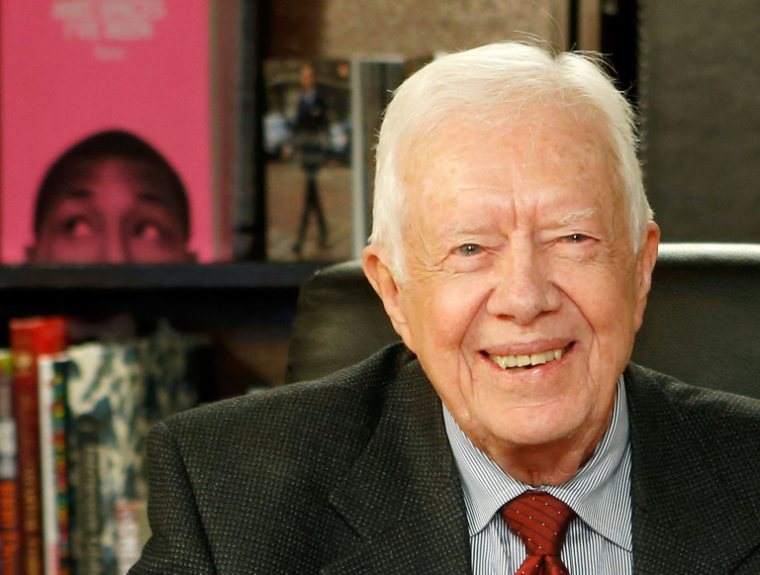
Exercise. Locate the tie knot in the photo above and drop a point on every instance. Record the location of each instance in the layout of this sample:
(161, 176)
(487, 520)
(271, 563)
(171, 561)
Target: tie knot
(540, 520)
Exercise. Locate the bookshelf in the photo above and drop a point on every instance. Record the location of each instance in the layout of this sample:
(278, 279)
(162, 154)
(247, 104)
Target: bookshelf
(246, 309)
(59, 279)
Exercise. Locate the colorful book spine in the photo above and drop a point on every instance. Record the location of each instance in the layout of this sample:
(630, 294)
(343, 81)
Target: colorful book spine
(106, 399)
(60, 430)
(172, 372)
(10, 526)
(114, 394)
(52, 374)
(30, 338)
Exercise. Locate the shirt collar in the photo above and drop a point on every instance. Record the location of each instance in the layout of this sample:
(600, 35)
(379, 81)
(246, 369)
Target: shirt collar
(599, 492)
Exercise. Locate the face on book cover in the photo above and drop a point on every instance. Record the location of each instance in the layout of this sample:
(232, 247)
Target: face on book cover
(112, 211)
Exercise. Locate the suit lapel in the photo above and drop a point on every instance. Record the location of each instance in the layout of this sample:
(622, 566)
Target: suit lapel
(685, 519)
(403, 496)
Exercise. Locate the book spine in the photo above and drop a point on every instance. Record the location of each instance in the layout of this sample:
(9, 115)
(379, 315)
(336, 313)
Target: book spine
(86, 508)
(47, 465)
(54, 485)
(30, 338)
(60, 427)
(10, 527)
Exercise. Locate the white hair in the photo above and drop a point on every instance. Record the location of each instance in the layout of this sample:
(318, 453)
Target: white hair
(492, 84)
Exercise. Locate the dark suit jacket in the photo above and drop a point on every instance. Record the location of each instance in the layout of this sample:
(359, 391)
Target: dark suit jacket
(354, 475)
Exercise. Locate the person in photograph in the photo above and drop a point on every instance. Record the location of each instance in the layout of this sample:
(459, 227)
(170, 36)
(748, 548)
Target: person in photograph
(513, 249)
(310, 136)
(111, 198)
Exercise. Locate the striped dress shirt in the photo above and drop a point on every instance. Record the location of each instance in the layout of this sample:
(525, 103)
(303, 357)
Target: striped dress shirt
(598, 539)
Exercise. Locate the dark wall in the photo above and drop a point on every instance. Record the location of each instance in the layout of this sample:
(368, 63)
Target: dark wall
(699, 81)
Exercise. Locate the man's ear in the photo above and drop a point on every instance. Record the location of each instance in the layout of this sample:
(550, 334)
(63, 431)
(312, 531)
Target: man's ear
(380, 277)
(646, 260)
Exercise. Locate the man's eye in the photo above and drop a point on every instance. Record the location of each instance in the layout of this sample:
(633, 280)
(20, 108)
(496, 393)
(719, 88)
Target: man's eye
(148, 231)
(469, 250)
(77, 227)
(576, 238)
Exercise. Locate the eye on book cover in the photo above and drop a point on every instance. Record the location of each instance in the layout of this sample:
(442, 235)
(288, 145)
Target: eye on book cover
(108, 148)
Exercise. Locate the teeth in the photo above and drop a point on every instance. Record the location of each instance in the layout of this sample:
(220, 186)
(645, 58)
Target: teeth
(539, 358)
(507, 361)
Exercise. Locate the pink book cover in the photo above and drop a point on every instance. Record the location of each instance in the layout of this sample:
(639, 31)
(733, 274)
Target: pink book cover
(106, 132)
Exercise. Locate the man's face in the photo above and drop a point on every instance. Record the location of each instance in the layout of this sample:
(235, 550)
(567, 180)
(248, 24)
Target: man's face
(308, 80)
(113, 211)
(517, 251)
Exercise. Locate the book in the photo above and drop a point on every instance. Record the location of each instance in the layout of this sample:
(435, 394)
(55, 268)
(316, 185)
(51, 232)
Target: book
(307, 143)
(105, 390)
(30, 338)
(10, 526)
(115, 392)
(115, 98)
(52, 374)
(172, 372)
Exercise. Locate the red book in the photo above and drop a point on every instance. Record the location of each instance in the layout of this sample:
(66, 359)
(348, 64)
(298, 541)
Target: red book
(10, 528)
(29, 338)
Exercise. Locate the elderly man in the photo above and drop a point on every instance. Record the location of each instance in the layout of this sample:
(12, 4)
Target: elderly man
(513, 249)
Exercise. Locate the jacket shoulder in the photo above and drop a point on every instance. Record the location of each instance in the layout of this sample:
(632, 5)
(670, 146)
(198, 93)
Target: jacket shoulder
(695, 476)
(671, 420)
(253, 475)
(650, 389)
(296, 422)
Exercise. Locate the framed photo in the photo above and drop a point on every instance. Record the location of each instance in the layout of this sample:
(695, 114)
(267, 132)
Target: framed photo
(307, 147)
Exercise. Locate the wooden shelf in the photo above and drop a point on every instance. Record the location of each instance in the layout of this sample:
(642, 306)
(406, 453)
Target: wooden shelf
(198, 297)
(158, 277)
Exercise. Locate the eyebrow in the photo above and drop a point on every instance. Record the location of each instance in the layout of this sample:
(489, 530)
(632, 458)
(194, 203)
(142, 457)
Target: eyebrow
(458, 228)
(573, 217)
(155, 188)
(74, 192)
(566, 220)
(161, 199)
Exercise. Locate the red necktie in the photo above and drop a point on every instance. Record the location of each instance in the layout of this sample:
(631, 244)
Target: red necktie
(541, 521)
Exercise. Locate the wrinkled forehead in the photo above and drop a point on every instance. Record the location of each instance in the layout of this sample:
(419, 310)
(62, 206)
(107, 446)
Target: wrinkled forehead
(536, 133)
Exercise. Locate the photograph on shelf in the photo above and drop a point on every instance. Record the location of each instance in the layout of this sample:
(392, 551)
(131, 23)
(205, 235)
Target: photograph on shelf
(119, 140)
(307, 148)
(373, 81)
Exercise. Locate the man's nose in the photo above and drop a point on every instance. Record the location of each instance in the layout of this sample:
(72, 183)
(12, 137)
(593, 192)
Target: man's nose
(114, 249)
(522, 288)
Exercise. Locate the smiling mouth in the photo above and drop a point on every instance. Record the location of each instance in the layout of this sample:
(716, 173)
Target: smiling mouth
(527, 361)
